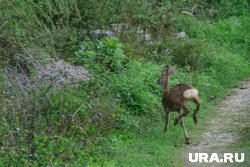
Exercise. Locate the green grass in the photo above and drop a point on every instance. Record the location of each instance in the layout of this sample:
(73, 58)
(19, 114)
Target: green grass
(115, 119)
(154, 148)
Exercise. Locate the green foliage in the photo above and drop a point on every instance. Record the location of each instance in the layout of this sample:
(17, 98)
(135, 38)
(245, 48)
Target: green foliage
(136, 87)
(225, 9)
(43, 26)
(185, 52)
(115, 118)
(184, 23)
(111, 54)
(107, 54)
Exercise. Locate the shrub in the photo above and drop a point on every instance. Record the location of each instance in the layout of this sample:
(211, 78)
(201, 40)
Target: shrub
(106, 54)
(136, 87)
(185, 52)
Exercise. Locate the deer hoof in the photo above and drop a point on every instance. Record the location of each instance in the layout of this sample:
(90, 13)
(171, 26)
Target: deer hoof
(187, 142)
(176, 121)
(195, 119)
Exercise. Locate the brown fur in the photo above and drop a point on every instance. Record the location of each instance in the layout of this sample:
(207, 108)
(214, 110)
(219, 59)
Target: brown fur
(174, 101)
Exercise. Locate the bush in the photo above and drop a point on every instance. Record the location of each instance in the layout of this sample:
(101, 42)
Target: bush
(185, 52)
(136, 87)
(106, 54)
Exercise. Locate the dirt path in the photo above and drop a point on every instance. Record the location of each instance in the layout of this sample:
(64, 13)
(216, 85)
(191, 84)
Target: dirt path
(224, 130)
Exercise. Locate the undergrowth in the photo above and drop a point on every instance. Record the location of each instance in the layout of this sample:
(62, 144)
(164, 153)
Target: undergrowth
(115, 119)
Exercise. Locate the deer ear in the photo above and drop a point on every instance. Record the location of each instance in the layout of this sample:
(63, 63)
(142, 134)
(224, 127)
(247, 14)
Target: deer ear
(165, 68)
(172, 69)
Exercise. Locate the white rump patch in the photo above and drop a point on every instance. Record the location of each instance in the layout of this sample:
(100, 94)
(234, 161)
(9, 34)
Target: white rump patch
(190, 93)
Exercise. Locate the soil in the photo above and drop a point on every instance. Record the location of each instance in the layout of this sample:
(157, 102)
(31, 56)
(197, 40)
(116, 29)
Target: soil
(223, 132)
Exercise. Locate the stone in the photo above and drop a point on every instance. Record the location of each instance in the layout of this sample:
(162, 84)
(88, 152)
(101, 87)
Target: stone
(180, 35)
(119, 27)
(99, 34)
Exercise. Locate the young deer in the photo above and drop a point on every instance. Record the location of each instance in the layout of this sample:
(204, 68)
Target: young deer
(175, 100)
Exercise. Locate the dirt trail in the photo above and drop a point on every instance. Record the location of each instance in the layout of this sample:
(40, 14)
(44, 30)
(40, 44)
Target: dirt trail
(224, 130)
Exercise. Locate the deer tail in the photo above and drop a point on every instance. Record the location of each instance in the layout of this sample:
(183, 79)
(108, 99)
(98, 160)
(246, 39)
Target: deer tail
(190, 93)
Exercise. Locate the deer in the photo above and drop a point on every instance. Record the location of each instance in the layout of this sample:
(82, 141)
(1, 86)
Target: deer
(175, 100)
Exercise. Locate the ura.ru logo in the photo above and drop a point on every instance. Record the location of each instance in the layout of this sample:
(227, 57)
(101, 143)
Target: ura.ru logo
(214, 157)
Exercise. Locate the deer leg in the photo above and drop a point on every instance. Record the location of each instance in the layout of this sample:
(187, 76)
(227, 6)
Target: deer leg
(184, 131)
(167, 121)
(197, 103)
(183, 114)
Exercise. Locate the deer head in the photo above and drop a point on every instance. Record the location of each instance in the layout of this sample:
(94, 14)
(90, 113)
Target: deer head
(165, 74)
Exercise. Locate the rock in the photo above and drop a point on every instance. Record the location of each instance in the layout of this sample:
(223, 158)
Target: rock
(60, 72)
(98, 34)
(55, 73)
(180, 35)
(142, 35)
(147, 37)
(119, 27)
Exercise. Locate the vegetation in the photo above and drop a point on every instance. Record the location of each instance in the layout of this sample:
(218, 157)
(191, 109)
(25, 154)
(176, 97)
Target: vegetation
(115, 117)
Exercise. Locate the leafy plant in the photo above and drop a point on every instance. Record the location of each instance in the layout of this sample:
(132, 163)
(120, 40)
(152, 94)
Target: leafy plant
(185, 52)
(107, 53)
